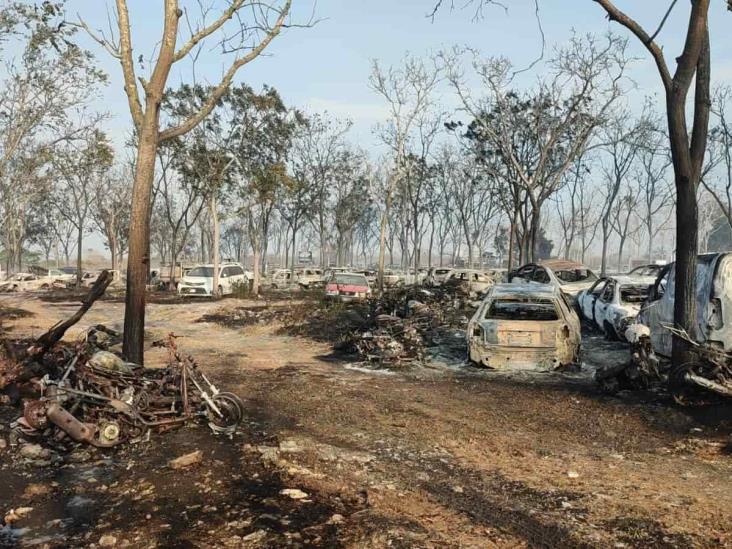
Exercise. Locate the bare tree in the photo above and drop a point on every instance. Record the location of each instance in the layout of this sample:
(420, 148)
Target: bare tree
(81, 166)
(622, 137)
(315, 150)
(111, 211)
(537, 135)
(409, 93)
(245, 33)
(656, 191)
(717, 176)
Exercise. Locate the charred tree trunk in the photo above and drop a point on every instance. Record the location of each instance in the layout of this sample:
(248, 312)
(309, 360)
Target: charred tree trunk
(215, 247)
(139, 236)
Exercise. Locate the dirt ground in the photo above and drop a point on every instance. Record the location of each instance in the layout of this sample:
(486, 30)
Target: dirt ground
(443, 455)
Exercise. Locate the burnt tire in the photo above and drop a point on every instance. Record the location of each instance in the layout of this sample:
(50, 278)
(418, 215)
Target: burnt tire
(232, 413)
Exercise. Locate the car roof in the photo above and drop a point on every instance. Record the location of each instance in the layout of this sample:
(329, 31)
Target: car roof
(561, 264)
(632, 280)
(509, 289)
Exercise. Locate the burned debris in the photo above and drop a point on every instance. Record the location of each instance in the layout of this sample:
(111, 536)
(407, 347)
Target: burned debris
(86, 393)
(101, 400)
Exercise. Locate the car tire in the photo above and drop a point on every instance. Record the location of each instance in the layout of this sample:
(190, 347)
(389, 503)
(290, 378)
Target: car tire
(45, 287)
(220, 292)
(610, 333)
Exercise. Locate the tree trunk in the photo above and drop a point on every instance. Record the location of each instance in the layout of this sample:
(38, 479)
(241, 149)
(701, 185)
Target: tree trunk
(113, 252)
(139, 236)
(382, 239)
(79, 251)
(215, 247)
(256, 282)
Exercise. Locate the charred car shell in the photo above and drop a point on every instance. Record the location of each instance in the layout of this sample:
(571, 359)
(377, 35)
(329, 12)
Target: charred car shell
(613, 303)
(524, 326)
(569, 276)
(713, 304)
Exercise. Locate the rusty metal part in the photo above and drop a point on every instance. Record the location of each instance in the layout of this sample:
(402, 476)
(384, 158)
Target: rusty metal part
(78, 431)
(34, 412)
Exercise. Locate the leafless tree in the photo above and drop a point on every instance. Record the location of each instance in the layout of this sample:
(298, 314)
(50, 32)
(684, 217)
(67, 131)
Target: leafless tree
(81, 165)
(243, 32)
(409, 94)
(111, 210)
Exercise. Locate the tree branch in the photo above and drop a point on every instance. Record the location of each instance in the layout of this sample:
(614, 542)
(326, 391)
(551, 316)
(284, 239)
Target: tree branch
(128, 67)
(223, 86)
(208, 31)
(614, 14)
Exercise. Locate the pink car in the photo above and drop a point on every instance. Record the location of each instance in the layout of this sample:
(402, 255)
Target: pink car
(347, 287)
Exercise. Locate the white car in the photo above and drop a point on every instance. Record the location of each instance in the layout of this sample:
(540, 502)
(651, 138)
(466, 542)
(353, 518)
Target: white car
(613, 303)
(58, 274)
(437, 276)
(569, 276)
(309, 277)
(24, 282)
(199, 280)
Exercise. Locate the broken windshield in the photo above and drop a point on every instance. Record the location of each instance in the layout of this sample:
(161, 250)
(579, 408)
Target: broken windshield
(351, 280)
(575, 275)
(633, 294)
(517, 308)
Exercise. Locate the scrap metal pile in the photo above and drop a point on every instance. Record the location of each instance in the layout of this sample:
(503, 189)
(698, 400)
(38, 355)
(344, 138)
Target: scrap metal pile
(711, 369)
(403, 323)
(104, 401)
(85, 393)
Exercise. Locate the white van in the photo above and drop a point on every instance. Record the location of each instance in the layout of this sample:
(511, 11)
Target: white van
(199, 280)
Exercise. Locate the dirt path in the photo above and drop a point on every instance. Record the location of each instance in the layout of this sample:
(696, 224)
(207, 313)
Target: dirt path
(445, 456)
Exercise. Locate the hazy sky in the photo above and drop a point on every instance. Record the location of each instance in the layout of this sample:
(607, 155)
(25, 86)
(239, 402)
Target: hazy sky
(327, 67)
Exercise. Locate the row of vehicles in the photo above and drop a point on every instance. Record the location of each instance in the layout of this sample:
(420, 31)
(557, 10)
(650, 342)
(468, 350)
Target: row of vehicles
(533, 321)
(39, 278)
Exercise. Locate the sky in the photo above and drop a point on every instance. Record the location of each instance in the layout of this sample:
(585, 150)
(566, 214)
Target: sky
(327, 66)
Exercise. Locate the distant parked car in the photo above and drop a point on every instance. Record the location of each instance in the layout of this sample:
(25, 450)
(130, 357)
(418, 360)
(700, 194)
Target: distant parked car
(24, 282)
(309, 277)
(282, 278)
(613, 303)
(437, 276)
(392, 279)
(647, 270)
(347, 287)
(199, 280)
(524, 326)
(569, 276)
(470, 281)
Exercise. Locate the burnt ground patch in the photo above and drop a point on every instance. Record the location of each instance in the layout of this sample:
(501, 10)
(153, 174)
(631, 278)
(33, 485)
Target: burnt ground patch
(132, 495)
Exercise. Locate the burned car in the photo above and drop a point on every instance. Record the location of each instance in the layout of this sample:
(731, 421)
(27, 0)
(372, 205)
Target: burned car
(652, 337)
(713, 304)
(347, 287)
(569, 276)
(25, 282)
(524, 326)
(613, 303)
(470, 281)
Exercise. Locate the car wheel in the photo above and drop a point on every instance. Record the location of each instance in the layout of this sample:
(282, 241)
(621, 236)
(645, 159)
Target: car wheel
(610, 333)
(14, 289)
(45, 287)
(220, 292)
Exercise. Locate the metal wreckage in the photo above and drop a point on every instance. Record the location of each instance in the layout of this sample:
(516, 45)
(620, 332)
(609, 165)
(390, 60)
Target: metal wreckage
(651, 339)
(93, 396)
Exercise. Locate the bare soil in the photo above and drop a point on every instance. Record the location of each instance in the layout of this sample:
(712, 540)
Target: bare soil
(442, 455)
